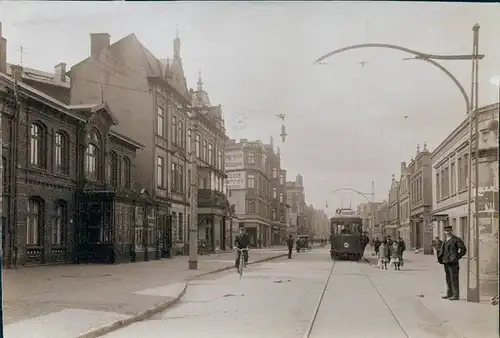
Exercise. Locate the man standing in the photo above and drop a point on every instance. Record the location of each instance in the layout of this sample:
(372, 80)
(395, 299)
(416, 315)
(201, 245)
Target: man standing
(242, 242)
(289, 243)
(452, 249)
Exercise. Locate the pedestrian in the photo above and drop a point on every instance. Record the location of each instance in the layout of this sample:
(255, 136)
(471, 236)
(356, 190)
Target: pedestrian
(394, 253)
(450, 252)
(289, 243)
(401, 249)
(383, 254)
(376, 246)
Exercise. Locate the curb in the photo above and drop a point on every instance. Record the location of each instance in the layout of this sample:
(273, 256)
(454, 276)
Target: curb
(140, 316)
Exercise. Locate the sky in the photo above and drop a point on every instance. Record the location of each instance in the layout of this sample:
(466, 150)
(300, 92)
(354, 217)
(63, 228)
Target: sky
(345, 122)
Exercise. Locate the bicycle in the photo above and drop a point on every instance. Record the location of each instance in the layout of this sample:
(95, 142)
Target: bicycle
(242, 264)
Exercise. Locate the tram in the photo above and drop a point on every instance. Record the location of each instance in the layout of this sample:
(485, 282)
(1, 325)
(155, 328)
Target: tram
(346, 236)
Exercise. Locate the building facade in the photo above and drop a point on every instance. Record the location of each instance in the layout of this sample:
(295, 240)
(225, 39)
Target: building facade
(381, 220)
(404, 204)
(210, 138)
(131, 79)
(284, 210)
(249, 188)
(71, 197)
(450, 170)
(367, 211)
(392, 226)
(296, 199)
(420, 170)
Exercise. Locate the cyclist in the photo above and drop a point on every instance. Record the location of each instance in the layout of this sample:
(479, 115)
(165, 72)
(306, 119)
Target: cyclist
(242, 242)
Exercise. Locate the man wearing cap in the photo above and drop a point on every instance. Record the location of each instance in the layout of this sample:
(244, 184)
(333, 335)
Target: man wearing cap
(452, 249)
(242, 242)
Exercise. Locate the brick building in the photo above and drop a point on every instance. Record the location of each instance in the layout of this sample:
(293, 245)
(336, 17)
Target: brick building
(296, 199)
(71, 197)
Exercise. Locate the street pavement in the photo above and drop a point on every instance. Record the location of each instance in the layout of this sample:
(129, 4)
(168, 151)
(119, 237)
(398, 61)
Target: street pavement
(68, 301)
(278, 299)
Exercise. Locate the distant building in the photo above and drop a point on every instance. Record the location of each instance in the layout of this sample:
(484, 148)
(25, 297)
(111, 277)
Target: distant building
(278, 191)
(381, 220)
(249, 187)
(297, 201)
(421, 200)
(367, 211)
(392, 226)
(404, 204)
(450, 168)
(284, 211)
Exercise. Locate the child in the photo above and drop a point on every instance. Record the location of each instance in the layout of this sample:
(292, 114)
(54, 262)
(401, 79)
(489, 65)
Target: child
(383, 253)
(395, 259)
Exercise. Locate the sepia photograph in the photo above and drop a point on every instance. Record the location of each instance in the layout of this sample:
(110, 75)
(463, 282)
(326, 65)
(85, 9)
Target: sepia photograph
(249, 169)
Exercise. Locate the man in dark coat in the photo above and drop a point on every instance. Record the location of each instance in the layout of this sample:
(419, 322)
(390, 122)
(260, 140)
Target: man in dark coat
(452, 249)
(242, 242)
(289, 243)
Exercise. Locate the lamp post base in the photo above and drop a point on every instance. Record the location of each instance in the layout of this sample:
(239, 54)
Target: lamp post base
(193, 265)
(473, 295)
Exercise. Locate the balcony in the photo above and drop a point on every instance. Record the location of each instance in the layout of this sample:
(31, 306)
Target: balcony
(208, 198)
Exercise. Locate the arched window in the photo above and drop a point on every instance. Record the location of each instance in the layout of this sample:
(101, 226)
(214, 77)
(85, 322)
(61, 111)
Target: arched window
(34, 221)
(126, 172)
(59, 223)
(92, 156)
(36, 145)
(113, 169)
(61, 157)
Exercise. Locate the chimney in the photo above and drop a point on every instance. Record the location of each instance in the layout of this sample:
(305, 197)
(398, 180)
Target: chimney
(3, 52)
(60, 70)
(98, 41)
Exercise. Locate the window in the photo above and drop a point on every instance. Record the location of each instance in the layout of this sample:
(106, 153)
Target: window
(210, 154)
(92, 156)
(466, 171)
(160, 172)
(251, 206)
(127, 172)
(181, 134)
(188, 141)
(460, 173)
(189, 183)
(282, 197)
(438, 187)
(173, 175)
(282, 179)
(33, 222)
(59, 223)
(180, 229)
(275, 193)
(453, 183)
(274, 214)
(198, 145)
(251, 158)
(180, 177)
(174, 130)
(160, 122)
(205, 151)
(220, 163)
(251, 181)
(36, 145)
(91, 161)
(275, 173)
(113, 169)
(61, 153)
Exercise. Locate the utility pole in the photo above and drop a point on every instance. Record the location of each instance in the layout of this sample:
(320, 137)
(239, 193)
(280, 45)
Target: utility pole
(193, 202)
(473, 226)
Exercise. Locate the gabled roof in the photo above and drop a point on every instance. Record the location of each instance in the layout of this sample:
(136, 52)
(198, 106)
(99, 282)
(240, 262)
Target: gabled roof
(92, 108)
(70, 110)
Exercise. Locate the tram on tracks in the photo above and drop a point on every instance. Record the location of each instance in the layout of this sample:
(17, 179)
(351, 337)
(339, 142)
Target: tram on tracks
(346, 236)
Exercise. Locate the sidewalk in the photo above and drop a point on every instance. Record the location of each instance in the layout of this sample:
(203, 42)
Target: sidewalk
(414, 295)
(99, 295)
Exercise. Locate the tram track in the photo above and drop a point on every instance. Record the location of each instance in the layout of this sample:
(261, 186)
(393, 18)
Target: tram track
(310, 327)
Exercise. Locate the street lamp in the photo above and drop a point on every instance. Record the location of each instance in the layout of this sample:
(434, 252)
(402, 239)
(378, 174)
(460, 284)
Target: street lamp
(472, 109)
